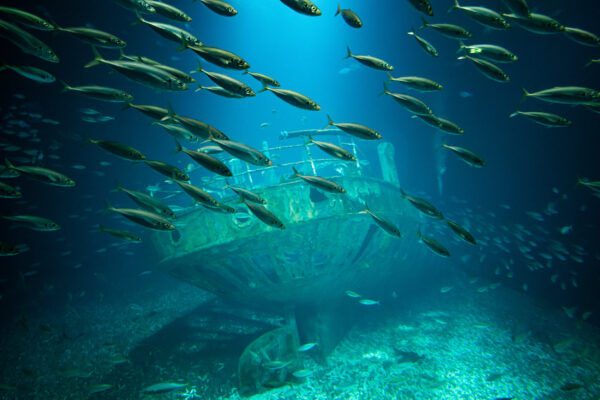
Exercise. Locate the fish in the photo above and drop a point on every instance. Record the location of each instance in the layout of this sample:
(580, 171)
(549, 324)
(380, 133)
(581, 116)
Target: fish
(333, 150)
(411, 104)
(264, 215)
(220, 7)
(246, 194)
(145, 74)
(218, 90)
(26, 19)
(565, 95)
(94, 37)
(196, 127)
(167, 169)
(119, 149)
(349, 16)
(163, 387)
(434, 245)
(350, 293)
(219, 57)
(171, 32)
(154, 112)
(177, 131)
(368, 302)
(595, 186)
(243, 152)
(307, 346)
(206, 160)
(461, 232)
(449, 30)
(7, 249)
(582, 37)
(417, 83)
(182, 76)
(276, 364)
(490, 52)
(43, 175)
(305, 7)
(488, 69)
(9, 192)
(143, 218)
(27, 42)
(370, 61)
(446, 289)
(423, 205)
(169, 11)
(302, 373)
(141, 6)
(227, 82)
(570, 386)
(483, 15)
(29, 72)
(199, 195)
(8, 173)
(262, 78)
(127, 236)
(357, 130)
(101, 387)
(467, 156)
(537, 23)
(294, 98)
(544, 118)
(428, 47)
(382, 222)
(320, 183)
(147, 202)
(518, 7)
(100, 93)
(423, 6)
(33, 222)
(441, 124)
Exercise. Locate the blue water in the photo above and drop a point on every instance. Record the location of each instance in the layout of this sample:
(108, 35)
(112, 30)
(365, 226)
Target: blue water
(528, 166)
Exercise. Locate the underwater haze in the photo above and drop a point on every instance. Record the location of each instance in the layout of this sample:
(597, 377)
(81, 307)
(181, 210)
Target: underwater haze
(369, 202)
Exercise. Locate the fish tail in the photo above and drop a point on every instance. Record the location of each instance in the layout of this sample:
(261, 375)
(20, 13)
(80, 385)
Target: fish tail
(245, 72)
(8, 163)
(525, 95)
(403, 194)
(390, 77)
(184, 44)
(514, 114)
(170, 116)
(385, 89)
(121, 54)
(138, 20)
(339, 10)
(118, 186)
(101, 228)
(461, 47)
(587, 64)
(97, 58)
(199, 69)
(108, 208)
(349, 52)
(126, 106)
(66, 87)
(264, 88)
(200, 87)
(425, 24)
(296, 173)
(329, 122)
(178, 149)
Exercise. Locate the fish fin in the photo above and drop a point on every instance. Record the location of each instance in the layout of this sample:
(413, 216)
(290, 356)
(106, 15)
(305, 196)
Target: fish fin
(179, 148)
(118, 186)
(339, 10)
(525, 95)
(385, 90)
(264, 88)
(349, 52)
(245, 72)
(296, 173)
(329, 122)
(66, 87)
(403, 194)
(97, 58)
(390, 77)
(455, 5)
(138, 20)
(514, 114)
(461, 47)
(199, 69)
(108, 208)
(8, 163)
(425, 24)
(121, 54)
(184, 44)
(170, 116)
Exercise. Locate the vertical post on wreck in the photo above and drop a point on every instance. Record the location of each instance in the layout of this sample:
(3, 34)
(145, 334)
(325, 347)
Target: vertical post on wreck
(386, 152)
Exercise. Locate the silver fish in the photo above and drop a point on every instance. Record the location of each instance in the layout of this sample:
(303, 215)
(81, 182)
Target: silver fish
(449, 30)
(199, 195)
(43, 175)
(417, 83)
(246, 194)
(423, 6)
(483, 15)
(383, 222)
(169, 11)
(264, 79)
(27, 42)
(434, 245)
(467, 156)
(219, 57)
(9, 192)
(565, 95)
(26, 19)
(206, 160)
(218, 90)
(136, 5)
(33, 73)
(243, 152)
(154, 112)
(360, 131)
(423, 205)
(349, 16)
(544, 118)
(94, 37)
(220, 7)
(294, 98)
(488, 69)
(167, 170)
(320, 183)
(143, 217)
(412, 104)
(147, 202)
(461, 232)
(490, 52)
(370, 61)
(124, 235)
(428, 47)
(333, 149)
(264, 215)
(100, 93)
(119, 149)
(582, 37)
(537, 23)
(305, 7)
(227, 82)
(33, 222)
(171, 32)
